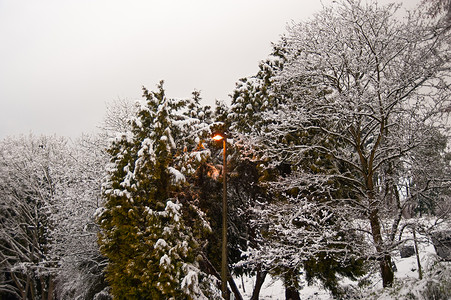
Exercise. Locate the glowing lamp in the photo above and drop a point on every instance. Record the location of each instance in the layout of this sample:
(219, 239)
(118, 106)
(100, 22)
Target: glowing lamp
(218, 137)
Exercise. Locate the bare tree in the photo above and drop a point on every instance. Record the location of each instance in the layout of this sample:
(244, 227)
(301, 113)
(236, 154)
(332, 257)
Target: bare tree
(118, 116)
(28, 185)
(359, 92)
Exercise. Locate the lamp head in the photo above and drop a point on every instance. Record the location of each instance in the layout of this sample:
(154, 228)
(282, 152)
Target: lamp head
(218, 137)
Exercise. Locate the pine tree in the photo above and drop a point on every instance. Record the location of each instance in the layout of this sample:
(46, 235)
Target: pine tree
(151, 253)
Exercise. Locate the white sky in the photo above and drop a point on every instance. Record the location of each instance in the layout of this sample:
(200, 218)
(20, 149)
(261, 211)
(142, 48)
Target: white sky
(62, 60)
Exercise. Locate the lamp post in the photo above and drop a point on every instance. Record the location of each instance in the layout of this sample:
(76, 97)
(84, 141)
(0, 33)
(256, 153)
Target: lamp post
(218, 137)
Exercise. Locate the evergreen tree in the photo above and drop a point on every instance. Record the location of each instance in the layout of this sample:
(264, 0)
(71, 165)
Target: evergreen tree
(151, 253)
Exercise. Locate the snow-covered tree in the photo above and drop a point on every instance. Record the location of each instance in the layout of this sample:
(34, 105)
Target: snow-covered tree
(50, 191)
(74, 236)
(426, 179)
(151, 253)
(359, 91)
(31, 169)
(439, 9)
(118, 114)
(282, 244)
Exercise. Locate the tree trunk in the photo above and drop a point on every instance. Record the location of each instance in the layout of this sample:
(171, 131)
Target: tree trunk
(291, 293)
(291, 286)
(50, 289)
(386, 271)
(27, 286)
(211, 270)
(415, 243)
(43, 287)
(384, 259)
(261, 275)
(235, 290)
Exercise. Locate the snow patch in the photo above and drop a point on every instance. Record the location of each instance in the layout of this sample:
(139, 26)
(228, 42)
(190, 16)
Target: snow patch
(165, 260)
(161, 244)
(177, 176)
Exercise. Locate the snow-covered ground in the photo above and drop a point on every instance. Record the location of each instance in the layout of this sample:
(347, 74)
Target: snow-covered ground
(407, 268)
(274, 290)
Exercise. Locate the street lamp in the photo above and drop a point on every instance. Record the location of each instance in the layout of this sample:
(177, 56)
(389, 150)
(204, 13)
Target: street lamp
(218, 137)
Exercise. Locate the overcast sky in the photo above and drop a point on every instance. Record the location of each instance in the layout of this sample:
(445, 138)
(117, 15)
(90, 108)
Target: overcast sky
(62, 60)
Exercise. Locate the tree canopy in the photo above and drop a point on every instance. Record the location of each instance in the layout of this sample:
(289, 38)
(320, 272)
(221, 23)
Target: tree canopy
(336, 147)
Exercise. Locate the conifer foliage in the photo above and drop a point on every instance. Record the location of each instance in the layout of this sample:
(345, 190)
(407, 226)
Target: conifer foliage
(151, 253)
